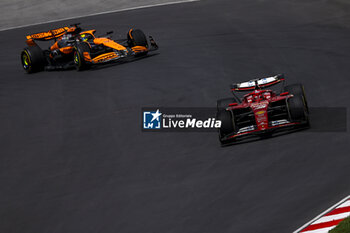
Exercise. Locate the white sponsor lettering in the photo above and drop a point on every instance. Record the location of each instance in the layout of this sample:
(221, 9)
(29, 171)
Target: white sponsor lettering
(191, 123)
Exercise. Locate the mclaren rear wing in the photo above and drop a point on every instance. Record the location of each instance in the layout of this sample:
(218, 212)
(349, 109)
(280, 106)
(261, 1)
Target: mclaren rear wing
(258, 83)
(49, 35)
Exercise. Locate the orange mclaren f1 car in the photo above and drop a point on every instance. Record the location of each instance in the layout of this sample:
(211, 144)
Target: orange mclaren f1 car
(82, 49)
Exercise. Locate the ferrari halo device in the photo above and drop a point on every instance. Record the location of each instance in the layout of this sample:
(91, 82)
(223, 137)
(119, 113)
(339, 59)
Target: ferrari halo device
(262, 111)
(75, 47)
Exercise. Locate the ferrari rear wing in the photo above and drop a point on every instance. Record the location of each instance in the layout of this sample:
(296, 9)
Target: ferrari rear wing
(258, 83)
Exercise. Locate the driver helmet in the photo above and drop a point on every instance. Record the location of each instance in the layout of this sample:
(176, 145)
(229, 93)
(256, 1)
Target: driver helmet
(256, 97)
(84, 37)
(267, 95)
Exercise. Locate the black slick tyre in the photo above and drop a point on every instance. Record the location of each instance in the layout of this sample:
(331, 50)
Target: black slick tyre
(33, 59)
(297, 109)
(297, 90)
(136, 37)
(222, 104)
(78, 57)
(227, 123)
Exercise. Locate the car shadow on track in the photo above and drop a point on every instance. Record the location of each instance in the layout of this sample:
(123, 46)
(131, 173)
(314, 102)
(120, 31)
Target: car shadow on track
(264, 137)
(120, 62)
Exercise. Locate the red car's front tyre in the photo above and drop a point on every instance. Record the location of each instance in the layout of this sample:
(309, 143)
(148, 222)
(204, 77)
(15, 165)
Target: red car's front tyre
(227, 123)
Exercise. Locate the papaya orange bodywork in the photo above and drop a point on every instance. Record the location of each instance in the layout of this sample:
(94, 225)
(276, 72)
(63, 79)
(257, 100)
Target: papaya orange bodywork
(87, 56)
(105, 57)
(91, 32)
(130, 34)
(30, 42)
(67, 50)
(49, 35)
(54, 46)
(138, 49)
(109, 43)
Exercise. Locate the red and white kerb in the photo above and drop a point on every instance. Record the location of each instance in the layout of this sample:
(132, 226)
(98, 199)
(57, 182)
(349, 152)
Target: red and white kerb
(328, 219)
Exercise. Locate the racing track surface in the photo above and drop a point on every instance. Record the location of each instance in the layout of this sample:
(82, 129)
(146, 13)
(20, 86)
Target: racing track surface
(73, 157)
(13, 14)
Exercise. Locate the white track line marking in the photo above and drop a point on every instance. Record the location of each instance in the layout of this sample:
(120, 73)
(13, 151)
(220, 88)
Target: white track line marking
(319, 216)
(101, 13)
(331, 218)
(345, 204)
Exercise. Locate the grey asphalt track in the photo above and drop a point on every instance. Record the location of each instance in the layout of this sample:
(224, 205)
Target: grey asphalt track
(16, 13)
(73, 157)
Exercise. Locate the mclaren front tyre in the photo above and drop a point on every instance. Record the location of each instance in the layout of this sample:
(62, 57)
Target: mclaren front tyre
(137, 41)
(81, 51)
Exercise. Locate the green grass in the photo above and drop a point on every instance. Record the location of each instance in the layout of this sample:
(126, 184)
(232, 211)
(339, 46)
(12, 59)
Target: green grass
(343, 227)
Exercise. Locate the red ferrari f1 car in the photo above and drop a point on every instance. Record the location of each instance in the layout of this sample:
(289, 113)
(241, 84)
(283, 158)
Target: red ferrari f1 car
(262, 111)
(75, 47)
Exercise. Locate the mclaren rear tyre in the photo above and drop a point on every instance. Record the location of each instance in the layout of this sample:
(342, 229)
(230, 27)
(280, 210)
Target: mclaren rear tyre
(222, 104)
(79, 59)
(33, 59)
(297, 90)
(227, 123)
(298, 109)
(136, 37)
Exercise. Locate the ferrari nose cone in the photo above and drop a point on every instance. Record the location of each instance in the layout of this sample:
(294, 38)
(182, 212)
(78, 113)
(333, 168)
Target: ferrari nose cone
(260, 113)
